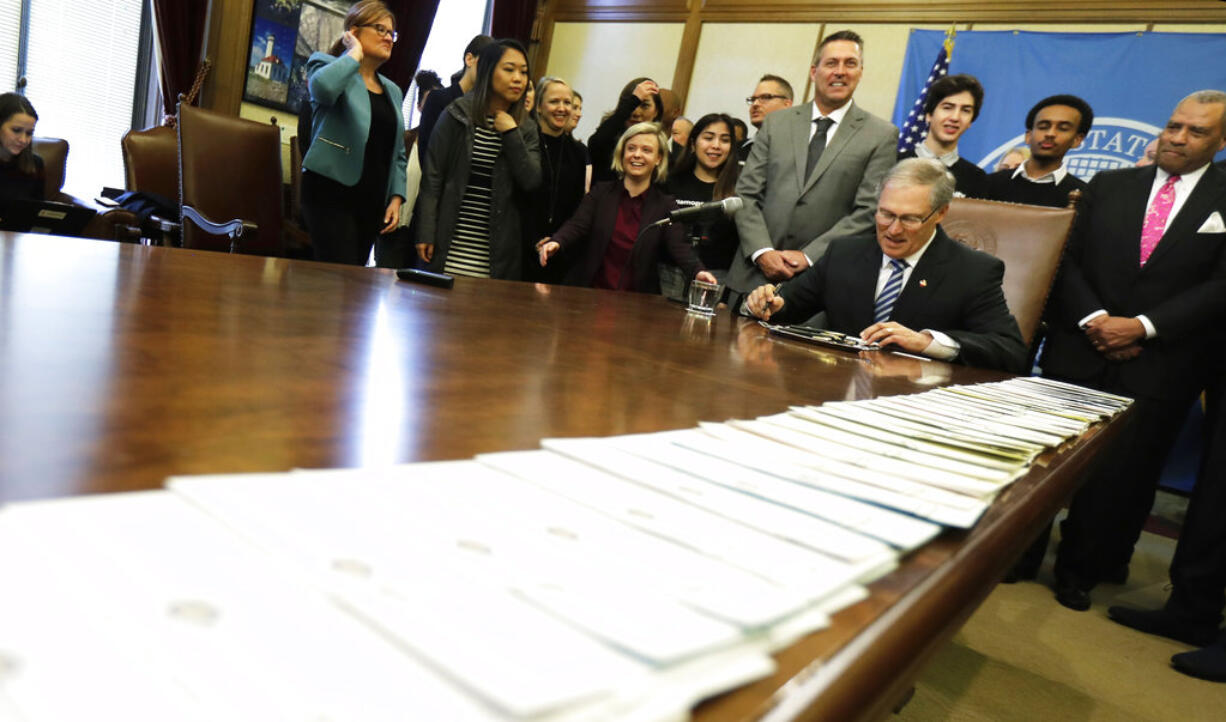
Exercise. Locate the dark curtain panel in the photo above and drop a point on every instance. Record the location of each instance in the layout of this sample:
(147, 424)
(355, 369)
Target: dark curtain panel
(414, 19)
(181, 29)
(513, 19)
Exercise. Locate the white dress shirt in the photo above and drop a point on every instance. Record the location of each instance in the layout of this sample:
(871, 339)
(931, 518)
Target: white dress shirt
(1056, 176)
(1183, 188)
(837, 116)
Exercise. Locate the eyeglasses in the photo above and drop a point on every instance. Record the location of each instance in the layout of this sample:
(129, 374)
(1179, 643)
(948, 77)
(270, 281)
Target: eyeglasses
(885, 218)
(384, 32)
(764, 98)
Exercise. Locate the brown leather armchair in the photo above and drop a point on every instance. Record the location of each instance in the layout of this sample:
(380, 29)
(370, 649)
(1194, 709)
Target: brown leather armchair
(110, 224)
(54, 152)
(151, 165)
(229, 183)
(151, 161)
(1029, 239)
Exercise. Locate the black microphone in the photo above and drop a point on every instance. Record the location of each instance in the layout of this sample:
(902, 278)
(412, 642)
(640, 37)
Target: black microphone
(703, 211)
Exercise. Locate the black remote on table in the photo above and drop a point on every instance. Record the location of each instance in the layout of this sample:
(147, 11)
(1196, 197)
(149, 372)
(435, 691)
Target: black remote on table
(441, 280)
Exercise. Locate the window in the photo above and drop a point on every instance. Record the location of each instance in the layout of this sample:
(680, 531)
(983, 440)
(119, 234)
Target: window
(80, 69)
(10, 32)
(455, 23)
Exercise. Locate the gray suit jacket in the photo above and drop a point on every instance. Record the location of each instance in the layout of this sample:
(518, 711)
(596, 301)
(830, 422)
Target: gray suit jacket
(784, 210)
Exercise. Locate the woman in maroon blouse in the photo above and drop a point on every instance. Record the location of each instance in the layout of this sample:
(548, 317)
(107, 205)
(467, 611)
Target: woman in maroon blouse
(611, 236)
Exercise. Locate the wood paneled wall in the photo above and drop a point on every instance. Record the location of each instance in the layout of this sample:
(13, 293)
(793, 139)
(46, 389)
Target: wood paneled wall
(228, 40)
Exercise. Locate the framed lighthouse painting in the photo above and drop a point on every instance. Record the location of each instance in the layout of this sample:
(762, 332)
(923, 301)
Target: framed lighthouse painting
(284, 33)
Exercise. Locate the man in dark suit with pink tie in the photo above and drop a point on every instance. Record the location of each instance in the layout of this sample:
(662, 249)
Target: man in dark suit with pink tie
(1193, 611)
(1140, 299)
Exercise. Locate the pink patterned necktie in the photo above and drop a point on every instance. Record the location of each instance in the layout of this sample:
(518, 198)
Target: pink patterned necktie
(1156, 218)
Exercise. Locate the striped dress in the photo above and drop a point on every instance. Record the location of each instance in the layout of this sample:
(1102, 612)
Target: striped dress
(469, 254)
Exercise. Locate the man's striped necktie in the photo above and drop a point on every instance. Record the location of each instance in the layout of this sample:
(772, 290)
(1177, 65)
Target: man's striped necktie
(889, 292)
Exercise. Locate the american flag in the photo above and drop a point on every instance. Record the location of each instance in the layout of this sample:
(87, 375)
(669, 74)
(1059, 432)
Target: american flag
(915, 128)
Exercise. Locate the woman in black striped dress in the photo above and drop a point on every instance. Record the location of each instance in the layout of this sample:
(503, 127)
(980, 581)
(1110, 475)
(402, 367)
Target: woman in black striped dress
(482, 154)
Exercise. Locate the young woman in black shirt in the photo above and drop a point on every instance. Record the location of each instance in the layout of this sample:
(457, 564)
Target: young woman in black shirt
(707, 172)
(21, 171)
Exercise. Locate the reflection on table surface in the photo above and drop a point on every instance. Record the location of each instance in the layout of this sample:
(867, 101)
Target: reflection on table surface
(123, 365)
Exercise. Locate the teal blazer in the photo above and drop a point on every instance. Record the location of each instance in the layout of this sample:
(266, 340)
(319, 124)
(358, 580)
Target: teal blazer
(340, 123)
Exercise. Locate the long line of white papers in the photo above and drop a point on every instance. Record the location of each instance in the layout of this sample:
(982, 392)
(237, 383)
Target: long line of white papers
(620, 578)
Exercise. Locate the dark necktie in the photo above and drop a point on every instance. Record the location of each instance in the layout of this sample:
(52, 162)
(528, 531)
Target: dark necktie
(817, 144)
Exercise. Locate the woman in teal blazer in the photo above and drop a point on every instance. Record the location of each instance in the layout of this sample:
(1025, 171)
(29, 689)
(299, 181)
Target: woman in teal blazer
(353, 176)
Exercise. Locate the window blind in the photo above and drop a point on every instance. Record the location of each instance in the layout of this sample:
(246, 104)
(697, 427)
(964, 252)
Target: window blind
(10, 35)
(81, 71)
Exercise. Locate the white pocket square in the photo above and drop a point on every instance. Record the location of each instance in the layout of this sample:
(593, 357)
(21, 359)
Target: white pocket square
(1213, 224)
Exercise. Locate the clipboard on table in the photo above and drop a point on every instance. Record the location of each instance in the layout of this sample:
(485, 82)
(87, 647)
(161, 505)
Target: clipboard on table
(821, 337)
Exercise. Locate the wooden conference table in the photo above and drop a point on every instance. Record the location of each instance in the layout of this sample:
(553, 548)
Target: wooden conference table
(121, 365)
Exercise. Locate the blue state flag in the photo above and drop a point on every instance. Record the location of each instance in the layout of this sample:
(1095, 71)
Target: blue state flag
(1127, 78)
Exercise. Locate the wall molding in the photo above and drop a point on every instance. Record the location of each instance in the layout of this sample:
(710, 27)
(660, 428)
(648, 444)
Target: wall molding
(231, 23)
(891, 11)
(229, 37)
(689, 52)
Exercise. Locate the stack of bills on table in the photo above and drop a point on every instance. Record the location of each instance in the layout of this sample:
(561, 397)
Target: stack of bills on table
(620, 578)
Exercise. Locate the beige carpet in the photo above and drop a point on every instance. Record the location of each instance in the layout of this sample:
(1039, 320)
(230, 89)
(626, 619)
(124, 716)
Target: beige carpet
(1022, 656)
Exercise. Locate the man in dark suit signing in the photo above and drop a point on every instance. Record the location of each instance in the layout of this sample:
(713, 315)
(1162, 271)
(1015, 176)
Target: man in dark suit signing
(812, 173)
(1139, 302)
(910, 286)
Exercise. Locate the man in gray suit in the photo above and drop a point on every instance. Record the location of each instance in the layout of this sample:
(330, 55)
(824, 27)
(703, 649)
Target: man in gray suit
(812, 174)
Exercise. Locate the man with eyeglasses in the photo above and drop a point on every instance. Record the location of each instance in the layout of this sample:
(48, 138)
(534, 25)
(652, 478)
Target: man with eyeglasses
(773, 93)
(812, 173)
(909, 287)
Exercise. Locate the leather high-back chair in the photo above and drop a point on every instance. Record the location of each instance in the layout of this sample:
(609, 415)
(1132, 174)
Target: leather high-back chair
(108, 224)
(151, 165)
(151, 161)
(54, 152)
(1029, 239)
(230, 182)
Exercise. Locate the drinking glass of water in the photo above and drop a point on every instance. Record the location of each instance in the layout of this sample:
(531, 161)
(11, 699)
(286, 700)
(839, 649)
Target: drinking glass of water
(703, 297)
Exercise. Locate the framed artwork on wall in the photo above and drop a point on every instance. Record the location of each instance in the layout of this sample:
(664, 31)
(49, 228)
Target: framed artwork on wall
(284, 33)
